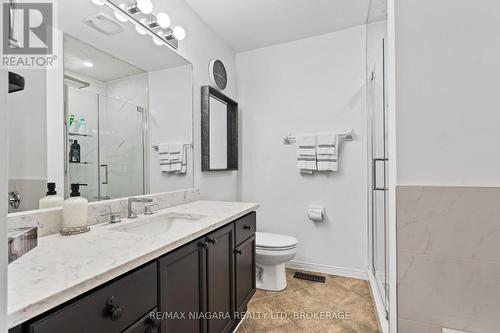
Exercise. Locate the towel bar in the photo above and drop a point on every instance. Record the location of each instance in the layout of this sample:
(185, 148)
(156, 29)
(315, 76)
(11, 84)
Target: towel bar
(347, 135)
(190, 145)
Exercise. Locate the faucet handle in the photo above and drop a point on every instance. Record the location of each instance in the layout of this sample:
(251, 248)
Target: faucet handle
(114, 217)
(148, 209)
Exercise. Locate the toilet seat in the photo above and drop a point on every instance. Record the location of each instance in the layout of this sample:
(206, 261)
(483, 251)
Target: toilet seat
(274, 242)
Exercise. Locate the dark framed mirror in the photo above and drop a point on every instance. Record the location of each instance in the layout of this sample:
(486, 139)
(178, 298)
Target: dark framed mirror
(219, 131)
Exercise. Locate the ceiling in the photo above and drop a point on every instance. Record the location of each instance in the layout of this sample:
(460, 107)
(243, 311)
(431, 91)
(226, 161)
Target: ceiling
(105, 67)
(137, 50)
(252, 24)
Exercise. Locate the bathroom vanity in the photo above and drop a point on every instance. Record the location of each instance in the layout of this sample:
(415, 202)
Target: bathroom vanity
(188, 268)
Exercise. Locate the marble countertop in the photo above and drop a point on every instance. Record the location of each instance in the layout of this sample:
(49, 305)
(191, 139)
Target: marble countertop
(63, 267)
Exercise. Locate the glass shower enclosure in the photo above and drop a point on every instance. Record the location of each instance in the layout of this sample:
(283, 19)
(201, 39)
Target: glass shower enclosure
(111, 135)
(378, 174)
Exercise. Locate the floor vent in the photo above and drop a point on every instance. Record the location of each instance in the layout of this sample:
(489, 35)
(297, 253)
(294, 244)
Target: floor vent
(310, 277)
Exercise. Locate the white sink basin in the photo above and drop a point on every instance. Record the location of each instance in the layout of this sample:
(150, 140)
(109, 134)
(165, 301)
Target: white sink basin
(160, 224)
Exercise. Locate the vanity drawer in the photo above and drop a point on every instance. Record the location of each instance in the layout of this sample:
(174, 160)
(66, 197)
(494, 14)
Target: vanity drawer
(111, 309)
(245, 227)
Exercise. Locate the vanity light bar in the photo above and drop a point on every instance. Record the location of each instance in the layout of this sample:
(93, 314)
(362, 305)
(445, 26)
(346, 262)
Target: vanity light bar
(164, 36)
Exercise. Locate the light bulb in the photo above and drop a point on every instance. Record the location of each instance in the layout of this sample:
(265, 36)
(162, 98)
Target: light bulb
(120, 16)
(158, 41)
(145, 6)
(163, 20)
(179, 33)
(140, 29)
(98, 2)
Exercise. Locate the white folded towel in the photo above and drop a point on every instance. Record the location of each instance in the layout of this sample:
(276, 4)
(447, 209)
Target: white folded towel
(327, 152)
(164, 153)
(175, 155)
(326, 144)
(173, 158)
(306, 153)
(183, 169)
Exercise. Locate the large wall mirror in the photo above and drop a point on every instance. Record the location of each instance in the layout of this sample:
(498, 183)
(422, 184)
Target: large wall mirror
(99, 116)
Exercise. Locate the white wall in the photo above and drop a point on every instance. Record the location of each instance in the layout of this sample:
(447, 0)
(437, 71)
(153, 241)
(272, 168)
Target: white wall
(311, 85)
(27, 127)
(170, 121)
(55, 120)
(448, 78)
(200, 46)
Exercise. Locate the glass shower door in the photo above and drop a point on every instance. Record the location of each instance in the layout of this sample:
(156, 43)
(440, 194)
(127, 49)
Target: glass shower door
(82, 104)
(379, 176)
(121, 149)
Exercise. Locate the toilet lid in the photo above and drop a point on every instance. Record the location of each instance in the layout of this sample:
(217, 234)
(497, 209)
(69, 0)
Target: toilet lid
(273, 241)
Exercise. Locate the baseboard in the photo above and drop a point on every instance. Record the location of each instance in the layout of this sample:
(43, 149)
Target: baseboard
(378, 302)
(327, 269)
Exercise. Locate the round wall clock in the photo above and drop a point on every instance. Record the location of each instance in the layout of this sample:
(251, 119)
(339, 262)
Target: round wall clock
(217, 74)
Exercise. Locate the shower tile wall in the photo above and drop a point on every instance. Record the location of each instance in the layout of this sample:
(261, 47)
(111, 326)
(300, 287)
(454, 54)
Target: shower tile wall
(448, 258)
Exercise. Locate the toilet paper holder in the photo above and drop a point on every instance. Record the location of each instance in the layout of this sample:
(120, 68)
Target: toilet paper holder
(316, 213)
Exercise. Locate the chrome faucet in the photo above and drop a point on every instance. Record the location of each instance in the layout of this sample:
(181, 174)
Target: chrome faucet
(131, 213)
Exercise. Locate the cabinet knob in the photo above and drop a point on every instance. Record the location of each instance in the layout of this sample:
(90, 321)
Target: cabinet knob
(114, 311)
(116, 314)
(238, 251)
(247, 227)
(212, 240)
(203, 245)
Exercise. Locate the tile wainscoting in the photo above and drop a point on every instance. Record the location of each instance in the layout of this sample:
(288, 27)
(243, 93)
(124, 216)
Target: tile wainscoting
(49, 221)
(448, 258)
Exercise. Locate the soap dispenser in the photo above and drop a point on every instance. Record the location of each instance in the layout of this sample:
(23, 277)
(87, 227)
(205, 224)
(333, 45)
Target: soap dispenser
(75, 213)
(52, 199)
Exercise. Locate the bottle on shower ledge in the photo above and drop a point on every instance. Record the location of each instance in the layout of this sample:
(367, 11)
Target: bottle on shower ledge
(74, 152)
(52, 199)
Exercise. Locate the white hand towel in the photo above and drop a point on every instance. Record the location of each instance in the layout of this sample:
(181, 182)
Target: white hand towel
(306, 153)
(329, 162)
(183, 160)
(175, 157)
(326, 144)
(164, 154)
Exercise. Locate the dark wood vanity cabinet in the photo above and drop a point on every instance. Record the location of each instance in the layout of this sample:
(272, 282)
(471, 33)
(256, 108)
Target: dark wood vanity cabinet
(220, 280)
(244, 274)
(203, 286)
(113, 308)
(196, 282)
(181, 288)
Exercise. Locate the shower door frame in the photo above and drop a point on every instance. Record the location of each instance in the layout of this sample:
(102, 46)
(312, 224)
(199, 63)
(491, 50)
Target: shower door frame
(145, 146)
(384, 295)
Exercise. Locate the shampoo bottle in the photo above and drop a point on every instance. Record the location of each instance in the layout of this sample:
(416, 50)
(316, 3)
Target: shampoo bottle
(75, 213)
(52, 199)
(74, 152)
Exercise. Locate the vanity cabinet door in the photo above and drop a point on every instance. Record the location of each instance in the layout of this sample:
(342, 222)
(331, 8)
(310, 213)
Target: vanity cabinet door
(220, 279)
(181, 288)
(244, 273)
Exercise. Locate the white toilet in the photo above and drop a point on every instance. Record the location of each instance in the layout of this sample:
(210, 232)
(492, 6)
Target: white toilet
(272, 252)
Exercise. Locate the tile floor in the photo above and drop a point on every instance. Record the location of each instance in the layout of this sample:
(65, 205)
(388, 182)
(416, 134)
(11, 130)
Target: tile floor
(341, 305)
